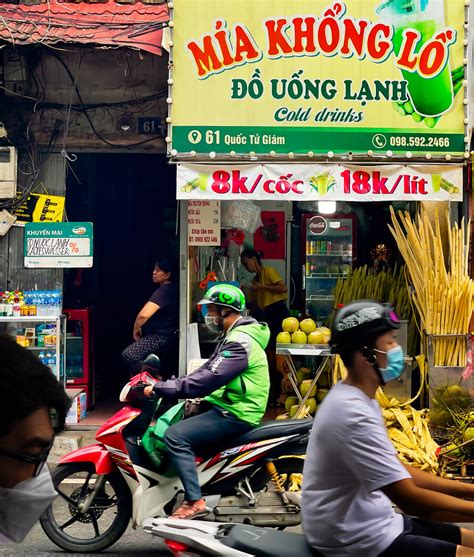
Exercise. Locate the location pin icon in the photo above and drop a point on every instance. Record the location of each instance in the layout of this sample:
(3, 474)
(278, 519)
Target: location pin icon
(195, 136)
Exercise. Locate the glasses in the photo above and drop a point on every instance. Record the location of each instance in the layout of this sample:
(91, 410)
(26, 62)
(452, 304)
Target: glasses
(38, 461)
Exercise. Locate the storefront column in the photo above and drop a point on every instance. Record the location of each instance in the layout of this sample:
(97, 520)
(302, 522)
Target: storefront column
(183, 287)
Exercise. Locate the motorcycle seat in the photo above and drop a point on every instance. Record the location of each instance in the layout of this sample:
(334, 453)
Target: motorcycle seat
(275, 428)
(265, 542)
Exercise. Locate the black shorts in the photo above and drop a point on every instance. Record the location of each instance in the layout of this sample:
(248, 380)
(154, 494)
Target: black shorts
(421, 538)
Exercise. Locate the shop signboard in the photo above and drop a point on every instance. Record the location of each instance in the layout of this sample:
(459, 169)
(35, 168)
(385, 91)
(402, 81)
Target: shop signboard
(58, 245)
(314, 76)
(313, 182)
(204, 223)
(38, 207)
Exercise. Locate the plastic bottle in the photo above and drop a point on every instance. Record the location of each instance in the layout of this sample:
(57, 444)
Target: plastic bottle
(16, 308)
(42, 357)
(51, 361)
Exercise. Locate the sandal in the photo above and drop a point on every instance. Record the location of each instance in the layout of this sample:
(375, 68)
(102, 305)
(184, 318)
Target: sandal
(189, 511)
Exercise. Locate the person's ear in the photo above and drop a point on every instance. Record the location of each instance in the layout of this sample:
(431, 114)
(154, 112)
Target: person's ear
(369, 355)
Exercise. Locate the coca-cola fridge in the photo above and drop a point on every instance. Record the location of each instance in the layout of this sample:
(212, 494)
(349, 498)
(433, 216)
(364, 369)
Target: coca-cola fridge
(329, 253)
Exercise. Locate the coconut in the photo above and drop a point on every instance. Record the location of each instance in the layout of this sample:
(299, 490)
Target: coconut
(311, 403)
(305, 386)
(323, 380)
(283, 338)
(316, 337)
(321, 394)
(298, 337)
(302, 374)
(290, 401)
(308, 326)
(293, 410)
(290, 324)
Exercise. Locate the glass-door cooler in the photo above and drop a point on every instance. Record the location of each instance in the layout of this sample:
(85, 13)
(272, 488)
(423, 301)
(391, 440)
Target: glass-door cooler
(329, 252)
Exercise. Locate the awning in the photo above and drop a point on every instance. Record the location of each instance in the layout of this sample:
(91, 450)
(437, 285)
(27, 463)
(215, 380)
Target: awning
(109, 23)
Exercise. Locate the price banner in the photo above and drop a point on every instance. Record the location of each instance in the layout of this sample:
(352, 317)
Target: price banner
(313, 182)
(58, 245)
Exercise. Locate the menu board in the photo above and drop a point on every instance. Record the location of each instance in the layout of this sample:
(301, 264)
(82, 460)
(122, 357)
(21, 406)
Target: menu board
(204, 223)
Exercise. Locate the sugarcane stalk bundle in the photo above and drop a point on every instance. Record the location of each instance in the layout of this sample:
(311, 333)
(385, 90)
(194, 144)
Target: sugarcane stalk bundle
(442, 288)
(386, 287)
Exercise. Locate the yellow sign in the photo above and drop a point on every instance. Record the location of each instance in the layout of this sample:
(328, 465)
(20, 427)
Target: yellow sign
(318, 76)
(41, 208)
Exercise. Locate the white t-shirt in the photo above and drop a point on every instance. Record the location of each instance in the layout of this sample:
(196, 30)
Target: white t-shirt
(349, 459)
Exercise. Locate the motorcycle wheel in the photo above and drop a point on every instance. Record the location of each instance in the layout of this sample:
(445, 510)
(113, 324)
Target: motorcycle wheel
(105, 521)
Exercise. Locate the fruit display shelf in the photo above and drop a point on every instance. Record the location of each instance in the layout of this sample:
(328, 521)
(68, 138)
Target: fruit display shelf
(293, 349)
(321, 351)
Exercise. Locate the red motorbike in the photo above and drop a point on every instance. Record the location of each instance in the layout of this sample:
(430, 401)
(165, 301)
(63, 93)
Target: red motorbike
(103, 486)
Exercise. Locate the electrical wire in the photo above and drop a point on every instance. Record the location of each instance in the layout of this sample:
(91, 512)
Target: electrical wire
(88, 118)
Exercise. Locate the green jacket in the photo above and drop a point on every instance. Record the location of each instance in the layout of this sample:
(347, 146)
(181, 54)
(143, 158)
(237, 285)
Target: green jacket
(246, 395)
(235, 378)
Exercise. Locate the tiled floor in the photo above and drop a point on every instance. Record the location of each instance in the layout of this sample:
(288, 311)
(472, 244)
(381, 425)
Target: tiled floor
(101, 413)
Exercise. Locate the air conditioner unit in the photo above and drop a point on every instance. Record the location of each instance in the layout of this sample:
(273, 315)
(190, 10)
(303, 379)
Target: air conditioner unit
(8, 172)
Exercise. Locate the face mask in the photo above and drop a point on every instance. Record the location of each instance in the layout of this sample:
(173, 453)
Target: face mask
(395, 364)
(214, 323)
(22, 506)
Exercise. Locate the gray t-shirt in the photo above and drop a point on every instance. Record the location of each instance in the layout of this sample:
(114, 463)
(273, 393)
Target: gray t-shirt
(349, 459)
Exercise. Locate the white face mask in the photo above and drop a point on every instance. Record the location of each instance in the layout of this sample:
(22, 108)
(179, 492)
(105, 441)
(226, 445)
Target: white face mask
(22, 506)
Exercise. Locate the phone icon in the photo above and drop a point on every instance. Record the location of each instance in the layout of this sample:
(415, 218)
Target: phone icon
(379, 141)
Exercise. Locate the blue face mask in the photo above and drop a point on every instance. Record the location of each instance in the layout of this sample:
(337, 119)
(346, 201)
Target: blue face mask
(395, 364)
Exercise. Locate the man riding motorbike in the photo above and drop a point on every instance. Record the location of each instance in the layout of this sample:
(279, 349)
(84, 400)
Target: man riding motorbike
(352, 473)
(235, 383)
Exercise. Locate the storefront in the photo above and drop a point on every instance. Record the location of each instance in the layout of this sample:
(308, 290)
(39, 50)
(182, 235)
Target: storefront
(325, 251)
(330, 149)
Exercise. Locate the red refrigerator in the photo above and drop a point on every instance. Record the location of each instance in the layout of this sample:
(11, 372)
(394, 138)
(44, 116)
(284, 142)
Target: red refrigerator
(79, 360)
(328, 253)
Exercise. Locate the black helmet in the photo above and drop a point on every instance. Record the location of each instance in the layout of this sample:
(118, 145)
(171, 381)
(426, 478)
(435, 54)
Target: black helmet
(358, 324)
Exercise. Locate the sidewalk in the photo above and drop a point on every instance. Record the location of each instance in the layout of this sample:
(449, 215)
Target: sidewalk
(82, 434)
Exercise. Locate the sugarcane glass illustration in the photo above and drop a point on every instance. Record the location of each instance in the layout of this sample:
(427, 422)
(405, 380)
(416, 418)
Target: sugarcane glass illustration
(430, 96)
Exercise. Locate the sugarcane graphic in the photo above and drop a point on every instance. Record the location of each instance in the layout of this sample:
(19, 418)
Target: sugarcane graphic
(198, 182)
(323, 182)
(441, 183)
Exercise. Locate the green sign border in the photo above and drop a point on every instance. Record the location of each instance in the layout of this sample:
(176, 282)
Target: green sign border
(66, 229)
(301, 140)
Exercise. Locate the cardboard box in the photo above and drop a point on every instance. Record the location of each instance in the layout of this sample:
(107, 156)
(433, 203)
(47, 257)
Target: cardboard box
(78, 410)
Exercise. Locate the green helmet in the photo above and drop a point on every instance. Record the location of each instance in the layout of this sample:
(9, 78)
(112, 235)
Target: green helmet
(226, 295)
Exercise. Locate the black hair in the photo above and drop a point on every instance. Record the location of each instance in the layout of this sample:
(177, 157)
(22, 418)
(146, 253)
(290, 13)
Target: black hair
(167, 265)
(250, 252)
(347, 358)
(26, 385)
(348, 355)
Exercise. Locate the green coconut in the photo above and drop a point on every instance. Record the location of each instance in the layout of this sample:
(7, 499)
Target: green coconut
(290, 401)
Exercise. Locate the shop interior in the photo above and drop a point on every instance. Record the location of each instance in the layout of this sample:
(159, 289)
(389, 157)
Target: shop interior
(357, 235)
(356, 243)
(131, 201)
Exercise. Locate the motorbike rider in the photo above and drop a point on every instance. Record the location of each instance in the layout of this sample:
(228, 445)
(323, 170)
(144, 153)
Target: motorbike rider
(352, 473)
(235, 383)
